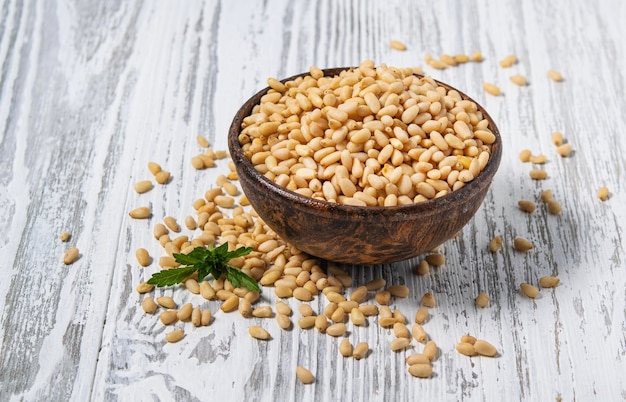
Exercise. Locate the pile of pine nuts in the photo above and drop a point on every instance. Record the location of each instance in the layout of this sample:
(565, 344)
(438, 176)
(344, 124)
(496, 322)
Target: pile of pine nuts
(369, 136)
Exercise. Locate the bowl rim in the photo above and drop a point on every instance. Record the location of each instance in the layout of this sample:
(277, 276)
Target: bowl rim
(435, 205)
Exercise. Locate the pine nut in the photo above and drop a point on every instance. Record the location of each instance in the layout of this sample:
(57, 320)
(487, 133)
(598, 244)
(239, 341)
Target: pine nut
(477, 57)
(430, 350)
(307, 322)
(555, 76)
(564, 150)
(508, 61)
(423, 268)
(321, 323)
(175, 335)
(140, 213)
(154, 167)
(345, 348)
(383, 297)
(521, 244)
(399, 344)
(554, 207)
(603, 193)
(546, 195)
(537, 174)
(148, 305)
(206, 318)
(468, 338)
(283, 291)
(482, 300)
(245, 308)
(401, 331)
(375, 284)
(166, 301)
(538, 159)
(338, 315)
(336, 330)
(360, 350)
(304, 375)
(171, 223)
(283, 321)
(368, 309)
(436, 259)
(64, 236)
(397, 45)
(259, 333)
(283, 308)
(529, 290)
(484, 348)
(143, 186)
(70, 256)
(143, 258)
(421, 315)
(196, 317)
(557, 138)
(518, 79)
(262, 312)
(418, 333)
(144, 287)
(428, 300)
(207, 291)
(421, 370)
(417, 358)
(549, 281)
(491, 89)
(527, 206)
(466, 349)
(398, 291)
(525, 155)
(359, 294)
(184, 313)
(302, 294)
(495, 244)
(169, 317)
(230, 304)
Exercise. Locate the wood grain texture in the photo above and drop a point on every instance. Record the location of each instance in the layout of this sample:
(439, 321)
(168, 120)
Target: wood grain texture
(91, 91)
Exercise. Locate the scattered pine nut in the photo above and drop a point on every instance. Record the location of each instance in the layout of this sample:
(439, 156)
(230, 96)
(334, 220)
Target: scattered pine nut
(430, 350)
(144, 287)
(171, 223)
(537, 174)
(554, 207)
(477, 57)
(521, 244)
(359, 294)
(64, 236)
(418, 333)
(166, 301)
(143, 258)
(175, 335)
(538, 159)
(518, 79)
(399, 344)
(304, 375)
(230, 304)
(259, 333)
(466, 349)
(345, 348)
(307, 322)
(70, 256)
(162, 177)
(383, 297)
(527, 206)
(154, 167)
(428, 300)
(421, 315)
(360, 350)
(206, 318)
(564, 150)
(417, 358)
(549, 281)
(436, 259)
(196, 317)
(482, 300)
(321, 323)
(557, 138)
(484, 348)
(184, 313)
(375, 284)
(202, 141)
(423, 268)
(143, 186)
(148, 305)
(508, 61)
(525, 155)
(529, 290)
(397, 45)
(140, 213)
(555, 76)
(421, 370)
(283, 308)
(546, 195)
(603, 193)
(398, 290)
(337, 329)
(491, 88)
(283, 321)
(169, 317)
(495, 244)
(469, 339)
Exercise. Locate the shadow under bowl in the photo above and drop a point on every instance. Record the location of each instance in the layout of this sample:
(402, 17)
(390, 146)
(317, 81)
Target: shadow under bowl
(354, 234)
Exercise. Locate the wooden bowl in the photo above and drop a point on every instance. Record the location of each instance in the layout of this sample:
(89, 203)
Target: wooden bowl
(353, 234)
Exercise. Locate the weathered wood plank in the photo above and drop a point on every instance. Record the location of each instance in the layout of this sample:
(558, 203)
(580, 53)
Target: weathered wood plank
(91, 92)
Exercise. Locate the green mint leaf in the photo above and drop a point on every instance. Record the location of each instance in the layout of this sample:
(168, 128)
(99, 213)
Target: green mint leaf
(170, 277)
(194, 257)
(241, 280)
(240, 252)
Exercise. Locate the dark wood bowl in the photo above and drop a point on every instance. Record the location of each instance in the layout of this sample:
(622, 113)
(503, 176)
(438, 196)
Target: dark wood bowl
(352, 234)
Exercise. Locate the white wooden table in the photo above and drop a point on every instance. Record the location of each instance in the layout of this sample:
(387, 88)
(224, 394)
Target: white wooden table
(90, 92)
